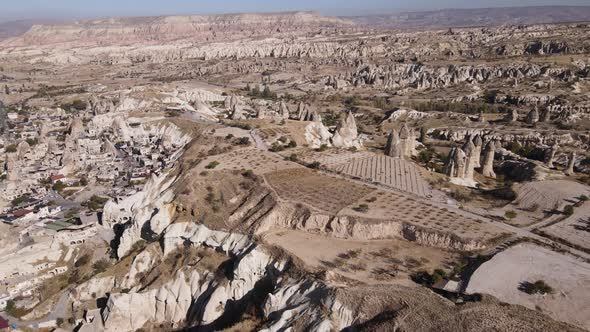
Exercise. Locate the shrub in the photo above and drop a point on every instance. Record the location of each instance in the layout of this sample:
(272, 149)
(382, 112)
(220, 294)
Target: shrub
(243, 141)
(19, 200)
(568, 210)
(244, 126)
(76, 105)
(11, 148)
(352, 101)
(350, 254)
(13, 310)
(362, 208)
(426, 155)
(32, 141)
(58, 186)
(438, 275)
(424, 278)
(489, 96)
(101, 266)
(510, 214)
(85, 259)
(314, 165)
(212, 165)
(505, 193)
(381, 103)
(322, 148)
(538, 287)
(276, 147)
(460, 196)
(96, 203)
(248, 174)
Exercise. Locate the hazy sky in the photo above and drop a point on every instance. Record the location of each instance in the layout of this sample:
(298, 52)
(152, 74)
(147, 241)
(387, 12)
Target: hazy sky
(68, 9)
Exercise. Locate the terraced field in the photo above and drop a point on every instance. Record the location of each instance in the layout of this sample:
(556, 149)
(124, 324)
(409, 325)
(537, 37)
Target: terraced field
(392, 172)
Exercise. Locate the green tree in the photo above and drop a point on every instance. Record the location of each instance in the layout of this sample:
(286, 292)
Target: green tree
(32, 141)
(423, 134)
(58, 186)
(101, 266)
(11, 148)
(256, 91)
(212, 165)
(266, 93)
(510, 214)
(6, 89)
(568, 210)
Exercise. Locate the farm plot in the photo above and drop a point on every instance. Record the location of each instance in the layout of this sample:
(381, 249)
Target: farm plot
(245, 159)
(392, 172)
(402, 208)
(322, 192)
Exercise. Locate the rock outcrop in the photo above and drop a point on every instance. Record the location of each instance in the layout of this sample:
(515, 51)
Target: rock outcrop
(512, 116)
(237, 113)
(3, 119)
(191, 296)
(569, 171)
(532, 117)
(402, 145)
(488, 160)
(550, 155)
(393, 148)
(346, 134)
(462, 162)
(284, 111)
(316, 134)
(305, 113)
(478, 144)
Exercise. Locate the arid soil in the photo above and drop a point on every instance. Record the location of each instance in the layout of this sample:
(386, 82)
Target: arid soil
(569, 278)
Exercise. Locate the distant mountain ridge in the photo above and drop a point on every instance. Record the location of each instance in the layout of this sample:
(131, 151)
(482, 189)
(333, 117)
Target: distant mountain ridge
(16, 28)
(477, 17)
(224, 27)
(157, 29)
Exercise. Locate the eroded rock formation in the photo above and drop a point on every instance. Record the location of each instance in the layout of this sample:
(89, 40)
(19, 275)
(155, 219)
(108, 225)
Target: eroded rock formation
(346, 135)
(488, 160)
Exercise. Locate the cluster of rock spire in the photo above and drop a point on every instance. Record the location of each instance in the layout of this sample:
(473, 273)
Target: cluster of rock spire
(550, 159)
(402, 144)
(532, 117)
(463, 161)
(345, 136)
